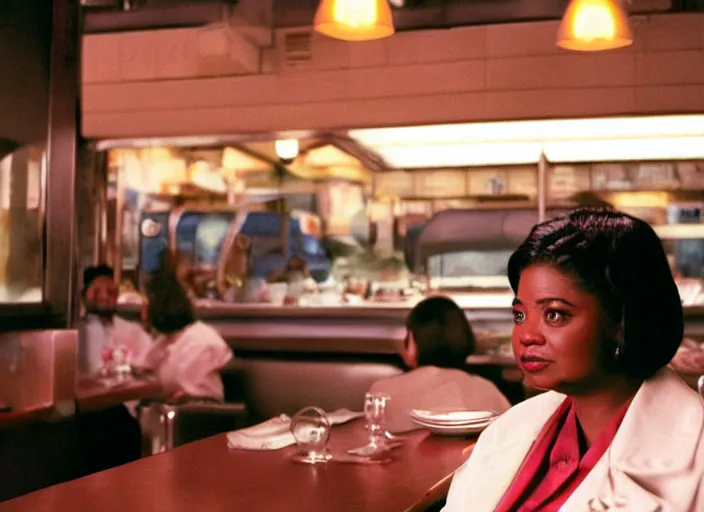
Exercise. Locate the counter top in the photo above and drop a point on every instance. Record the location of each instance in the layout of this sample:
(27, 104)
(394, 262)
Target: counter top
(94, 395)
(208, 476)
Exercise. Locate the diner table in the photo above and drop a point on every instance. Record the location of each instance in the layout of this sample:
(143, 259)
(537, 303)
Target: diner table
(208, 476)
(95, 394)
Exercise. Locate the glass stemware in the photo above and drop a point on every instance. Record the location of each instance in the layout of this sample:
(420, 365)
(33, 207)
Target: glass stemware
(311, 429)
(375, 411)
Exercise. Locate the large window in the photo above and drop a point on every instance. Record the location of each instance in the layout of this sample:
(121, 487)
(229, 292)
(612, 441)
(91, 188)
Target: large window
(20, 226)
(360, 224)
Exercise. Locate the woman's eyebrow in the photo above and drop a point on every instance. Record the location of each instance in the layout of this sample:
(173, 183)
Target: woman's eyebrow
(548, 300)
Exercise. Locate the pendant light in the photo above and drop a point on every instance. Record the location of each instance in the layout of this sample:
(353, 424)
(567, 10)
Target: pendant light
(354, 20)
(287, 149)
(594, 25)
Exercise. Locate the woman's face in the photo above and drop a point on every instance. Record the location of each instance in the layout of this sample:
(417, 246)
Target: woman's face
(101, 296)
(559, 332)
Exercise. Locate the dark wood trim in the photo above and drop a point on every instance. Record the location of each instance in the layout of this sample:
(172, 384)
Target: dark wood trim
(61, 187)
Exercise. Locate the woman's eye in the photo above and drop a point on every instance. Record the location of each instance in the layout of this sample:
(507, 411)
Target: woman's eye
(518, 317)
(554, 316)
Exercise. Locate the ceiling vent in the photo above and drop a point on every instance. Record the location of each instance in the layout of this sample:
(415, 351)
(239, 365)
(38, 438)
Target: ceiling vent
(297, 50)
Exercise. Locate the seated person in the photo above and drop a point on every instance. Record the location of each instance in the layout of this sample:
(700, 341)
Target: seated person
(616, 429)
(438, 341)
(109, 437)
(101, 331)
(188, 355)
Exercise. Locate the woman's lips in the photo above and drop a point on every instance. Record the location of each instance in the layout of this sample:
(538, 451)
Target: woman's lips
(533, 364)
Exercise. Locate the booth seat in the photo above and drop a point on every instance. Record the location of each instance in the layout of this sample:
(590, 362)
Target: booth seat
(271, 386)
(259, 387)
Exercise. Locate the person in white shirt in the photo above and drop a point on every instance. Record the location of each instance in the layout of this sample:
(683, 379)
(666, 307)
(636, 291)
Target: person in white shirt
(188, 355)
(101, 331)
(438, 341)
(109, 437)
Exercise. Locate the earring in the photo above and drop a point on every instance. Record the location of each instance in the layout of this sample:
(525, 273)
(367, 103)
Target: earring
(617, 353)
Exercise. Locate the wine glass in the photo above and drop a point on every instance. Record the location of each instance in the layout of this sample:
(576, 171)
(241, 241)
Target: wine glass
(311, 430)
(375, 411)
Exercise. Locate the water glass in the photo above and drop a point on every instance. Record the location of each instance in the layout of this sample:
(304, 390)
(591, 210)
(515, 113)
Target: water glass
(375, 412)
(311, 429)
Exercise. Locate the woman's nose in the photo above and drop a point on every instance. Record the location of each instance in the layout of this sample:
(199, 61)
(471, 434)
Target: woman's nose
(531, 337)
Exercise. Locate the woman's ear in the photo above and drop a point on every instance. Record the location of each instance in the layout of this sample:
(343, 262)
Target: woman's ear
(410, 352)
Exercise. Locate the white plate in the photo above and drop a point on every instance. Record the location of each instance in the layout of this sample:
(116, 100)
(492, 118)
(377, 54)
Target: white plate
(455, 430)
(452, 417)
(428, 424)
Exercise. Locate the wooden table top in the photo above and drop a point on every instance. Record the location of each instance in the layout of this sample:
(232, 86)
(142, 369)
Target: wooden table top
(94, 395)
(207, 476)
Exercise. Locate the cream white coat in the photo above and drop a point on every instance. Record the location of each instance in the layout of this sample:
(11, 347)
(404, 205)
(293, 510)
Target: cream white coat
(654, 464)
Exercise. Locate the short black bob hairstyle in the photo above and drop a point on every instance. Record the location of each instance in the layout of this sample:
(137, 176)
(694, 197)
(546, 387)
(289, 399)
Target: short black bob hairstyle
(169, 309)
(620, 260)
(441, 332)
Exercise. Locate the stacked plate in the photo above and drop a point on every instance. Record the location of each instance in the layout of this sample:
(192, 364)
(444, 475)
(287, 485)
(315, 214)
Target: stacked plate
(453, 422)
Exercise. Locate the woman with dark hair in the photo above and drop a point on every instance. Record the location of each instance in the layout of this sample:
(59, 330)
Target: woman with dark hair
(438, 341)
(188, 356)
(597, 318)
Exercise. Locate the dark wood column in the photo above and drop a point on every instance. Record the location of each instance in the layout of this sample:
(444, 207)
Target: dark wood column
(61, 183)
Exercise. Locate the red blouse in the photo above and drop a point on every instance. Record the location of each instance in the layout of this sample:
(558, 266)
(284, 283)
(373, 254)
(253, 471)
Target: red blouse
(557, 463)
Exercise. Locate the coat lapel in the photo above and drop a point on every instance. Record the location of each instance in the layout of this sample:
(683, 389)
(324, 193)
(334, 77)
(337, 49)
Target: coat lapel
(602, 490)
(657, 439)
(495, 467)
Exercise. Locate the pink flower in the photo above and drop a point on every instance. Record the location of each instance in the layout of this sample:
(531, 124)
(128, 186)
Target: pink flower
(108, 355)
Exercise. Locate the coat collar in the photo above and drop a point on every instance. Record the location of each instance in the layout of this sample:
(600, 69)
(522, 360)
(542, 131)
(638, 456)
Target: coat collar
(661, 429)
(659, 435)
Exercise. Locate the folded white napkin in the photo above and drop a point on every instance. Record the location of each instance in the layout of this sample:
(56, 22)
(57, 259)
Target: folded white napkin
(275, 433)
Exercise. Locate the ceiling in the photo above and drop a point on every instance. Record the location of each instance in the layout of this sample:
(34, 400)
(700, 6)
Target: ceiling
(122, 15)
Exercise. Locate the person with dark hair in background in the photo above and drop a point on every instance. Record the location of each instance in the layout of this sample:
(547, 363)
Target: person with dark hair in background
(438, 341)
(597, 319)
(109, 437)
(188, 355)
(101, 331)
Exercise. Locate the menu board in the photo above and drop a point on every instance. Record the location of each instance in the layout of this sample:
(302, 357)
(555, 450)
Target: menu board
(523, 181)
(566, 180)
(483, 182)
(440, 183)
(393, 184)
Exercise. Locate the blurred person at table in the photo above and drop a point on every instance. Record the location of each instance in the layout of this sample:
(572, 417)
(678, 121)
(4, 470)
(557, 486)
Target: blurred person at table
(597, 318)
(110, 436)
(101, 331)
(188, 355)
(438, 341)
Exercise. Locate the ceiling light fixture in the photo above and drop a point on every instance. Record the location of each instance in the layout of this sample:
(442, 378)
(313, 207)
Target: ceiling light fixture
(594, 26)
(354, 20)
(287, 149)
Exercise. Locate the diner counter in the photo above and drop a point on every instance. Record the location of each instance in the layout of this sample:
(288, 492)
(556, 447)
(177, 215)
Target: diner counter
(93, 395)
(355, 330)
(209, 476)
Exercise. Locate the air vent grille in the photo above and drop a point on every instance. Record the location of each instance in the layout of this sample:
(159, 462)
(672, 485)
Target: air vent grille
(297, 50)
